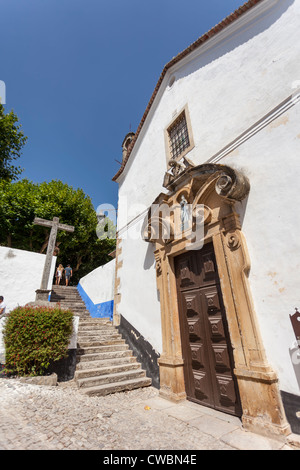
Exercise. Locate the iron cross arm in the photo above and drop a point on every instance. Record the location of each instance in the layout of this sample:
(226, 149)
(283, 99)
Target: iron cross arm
(54, 222)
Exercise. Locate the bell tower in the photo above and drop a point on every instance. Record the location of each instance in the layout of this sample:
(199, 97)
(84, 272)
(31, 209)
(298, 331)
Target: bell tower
(126, 143)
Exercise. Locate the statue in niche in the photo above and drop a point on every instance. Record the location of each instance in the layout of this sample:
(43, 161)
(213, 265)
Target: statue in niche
(184, 214)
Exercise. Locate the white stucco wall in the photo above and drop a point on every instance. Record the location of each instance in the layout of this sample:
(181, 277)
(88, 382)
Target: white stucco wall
(2, 346)
(228, 89)
(271, 224)
(139, 302)
(99, 283)
(20, 275)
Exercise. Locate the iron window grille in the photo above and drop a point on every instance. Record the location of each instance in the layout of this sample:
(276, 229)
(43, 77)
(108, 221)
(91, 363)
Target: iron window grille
(178, 136)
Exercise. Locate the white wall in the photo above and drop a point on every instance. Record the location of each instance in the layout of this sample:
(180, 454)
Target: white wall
(139, 302)
(20, 275)
(97, 290)
(229, 88)
(99, 284)
(2, 346)
(271, 224)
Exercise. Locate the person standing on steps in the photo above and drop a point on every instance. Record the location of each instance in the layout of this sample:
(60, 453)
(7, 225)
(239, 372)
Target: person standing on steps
(2, 305)
(59, 273)
(68, 274)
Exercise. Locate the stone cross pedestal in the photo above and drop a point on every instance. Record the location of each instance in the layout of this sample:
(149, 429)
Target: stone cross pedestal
(43, 292)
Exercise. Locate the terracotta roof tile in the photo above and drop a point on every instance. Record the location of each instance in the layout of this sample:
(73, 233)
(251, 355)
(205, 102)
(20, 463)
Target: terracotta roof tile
(217, 28)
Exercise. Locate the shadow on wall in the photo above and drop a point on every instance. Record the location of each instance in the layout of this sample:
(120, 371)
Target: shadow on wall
(142, 350)
(149, 258)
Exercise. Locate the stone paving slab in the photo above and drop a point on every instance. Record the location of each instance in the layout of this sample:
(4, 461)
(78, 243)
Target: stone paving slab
(36, 417)
(243, 440)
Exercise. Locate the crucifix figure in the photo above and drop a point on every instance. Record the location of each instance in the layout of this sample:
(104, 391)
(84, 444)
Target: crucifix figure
(42, 293)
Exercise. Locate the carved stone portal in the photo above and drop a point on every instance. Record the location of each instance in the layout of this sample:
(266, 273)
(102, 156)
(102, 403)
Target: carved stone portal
(215, 189)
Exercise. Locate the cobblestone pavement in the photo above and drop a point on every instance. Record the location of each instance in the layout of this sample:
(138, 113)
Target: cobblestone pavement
(35, 417)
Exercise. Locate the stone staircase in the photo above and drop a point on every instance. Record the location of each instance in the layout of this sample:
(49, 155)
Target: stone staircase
(105, 364)
(69, 298)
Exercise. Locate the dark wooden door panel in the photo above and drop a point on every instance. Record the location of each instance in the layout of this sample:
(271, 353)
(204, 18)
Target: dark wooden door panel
(207, 350)
(187, 272)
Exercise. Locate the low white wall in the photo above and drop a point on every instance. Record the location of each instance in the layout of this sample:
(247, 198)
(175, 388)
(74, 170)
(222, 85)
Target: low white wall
(99, 284)
(20, 275)
(2, 346)
(97, 290)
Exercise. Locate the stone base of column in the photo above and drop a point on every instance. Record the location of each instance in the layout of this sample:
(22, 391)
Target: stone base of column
(172, 385)
(42, 295)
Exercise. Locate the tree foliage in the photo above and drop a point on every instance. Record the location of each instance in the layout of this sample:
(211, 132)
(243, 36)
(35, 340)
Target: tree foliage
(22, 201)
(12, 140)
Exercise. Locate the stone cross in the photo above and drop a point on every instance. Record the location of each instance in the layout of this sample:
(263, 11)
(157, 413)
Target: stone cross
(42, 293)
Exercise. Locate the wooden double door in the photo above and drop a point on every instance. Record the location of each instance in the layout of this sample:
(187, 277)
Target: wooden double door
(206, 348)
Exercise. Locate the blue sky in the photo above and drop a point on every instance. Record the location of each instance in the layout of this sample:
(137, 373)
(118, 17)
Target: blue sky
(79, 75)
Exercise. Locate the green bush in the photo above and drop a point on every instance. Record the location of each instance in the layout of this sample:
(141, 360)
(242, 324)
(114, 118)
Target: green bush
(34, 337)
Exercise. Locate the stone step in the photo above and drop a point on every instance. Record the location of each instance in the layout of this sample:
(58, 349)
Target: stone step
(64, 298)
(86, 344)
(102, 390)
(76, 308)
(86, 331)
(105, 370)
(99, 333)
(95, 323)
(95, 329)
(101, 356)
(105, 336)
(66, 295)
(69, 304)
(61, 287)
(99, 364)
(110, 378)
(98, 347)
(99, 320)
(97, 336)
(67, 300)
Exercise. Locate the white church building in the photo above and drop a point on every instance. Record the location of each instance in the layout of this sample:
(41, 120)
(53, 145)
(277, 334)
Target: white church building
(208, 243)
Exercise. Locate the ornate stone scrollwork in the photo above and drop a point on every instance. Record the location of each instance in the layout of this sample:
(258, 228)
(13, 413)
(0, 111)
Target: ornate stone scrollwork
(233, 241)
(176, 169)
(158, 264)
(232, 184)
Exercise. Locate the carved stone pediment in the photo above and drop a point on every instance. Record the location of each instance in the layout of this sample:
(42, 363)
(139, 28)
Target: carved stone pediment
(229, 182)
(195, 193)
(176, 169)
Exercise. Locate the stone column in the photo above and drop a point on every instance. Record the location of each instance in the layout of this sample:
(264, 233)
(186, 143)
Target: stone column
(172, 386)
